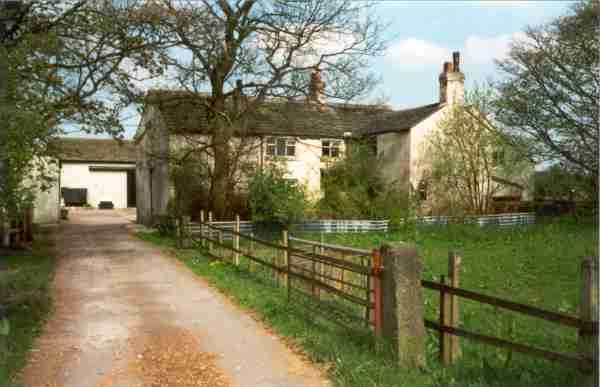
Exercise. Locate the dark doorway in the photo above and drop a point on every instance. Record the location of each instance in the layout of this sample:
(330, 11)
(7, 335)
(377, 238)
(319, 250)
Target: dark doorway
(131, 201)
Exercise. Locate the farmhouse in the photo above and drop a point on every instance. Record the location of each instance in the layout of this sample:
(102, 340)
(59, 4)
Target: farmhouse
(89, 171)
(304, 135)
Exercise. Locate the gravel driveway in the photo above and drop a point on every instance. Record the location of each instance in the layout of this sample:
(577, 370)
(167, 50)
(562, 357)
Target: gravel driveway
(125, 315)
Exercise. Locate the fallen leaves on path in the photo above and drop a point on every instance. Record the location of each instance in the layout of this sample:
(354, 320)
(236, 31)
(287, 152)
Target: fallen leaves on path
(172, 357)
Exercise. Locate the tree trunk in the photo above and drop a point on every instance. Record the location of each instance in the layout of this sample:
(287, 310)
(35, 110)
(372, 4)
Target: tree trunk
(220, 187)
(3, 133)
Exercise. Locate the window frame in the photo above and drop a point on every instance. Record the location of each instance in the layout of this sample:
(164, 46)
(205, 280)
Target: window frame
(331, 147)
(273, 143)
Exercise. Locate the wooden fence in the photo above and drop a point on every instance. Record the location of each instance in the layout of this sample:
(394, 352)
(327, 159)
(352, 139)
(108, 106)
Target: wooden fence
(345, 290)
(340, 280)
(449, 330)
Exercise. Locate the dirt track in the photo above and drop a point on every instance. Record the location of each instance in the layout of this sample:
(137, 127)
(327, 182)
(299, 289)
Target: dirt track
(125, 315)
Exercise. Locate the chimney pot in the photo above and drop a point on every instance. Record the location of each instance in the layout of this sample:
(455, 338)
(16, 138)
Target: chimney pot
(447, 67)
(456, 61)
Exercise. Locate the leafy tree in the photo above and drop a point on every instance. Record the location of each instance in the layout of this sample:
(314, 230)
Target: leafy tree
(466, 162)
(274, 198)
(63, 63)
(548, 100)
(262, 50)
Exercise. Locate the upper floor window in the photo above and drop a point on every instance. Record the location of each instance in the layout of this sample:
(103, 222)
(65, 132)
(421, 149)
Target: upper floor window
(281, 146)
(331, 148)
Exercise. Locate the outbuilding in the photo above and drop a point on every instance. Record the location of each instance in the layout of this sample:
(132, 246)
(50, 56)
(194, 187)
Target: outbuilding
(91, 171)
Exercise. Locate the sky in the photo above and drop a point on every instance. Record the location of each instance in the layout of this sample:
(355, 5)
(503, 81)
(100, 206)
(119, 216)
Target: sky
(423, 34)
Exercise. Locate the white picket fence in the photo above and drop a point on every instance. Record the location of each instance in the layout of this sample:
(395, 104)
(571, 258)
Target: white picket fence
(342, 226)
(502, 220)
(359, 226)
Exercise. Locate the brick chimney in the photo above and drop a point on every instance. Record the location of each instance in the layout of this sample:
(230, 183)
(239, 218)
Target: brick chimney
(316, 88)
(452, 82)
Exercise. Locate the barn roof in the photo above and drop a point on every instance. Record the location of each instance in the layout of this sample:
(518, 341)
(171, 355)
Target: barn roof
(95, 150)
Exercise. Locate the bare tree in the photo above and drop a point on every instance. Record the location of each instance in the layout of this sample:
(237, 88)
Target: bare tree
(465, 162)
(258, 50)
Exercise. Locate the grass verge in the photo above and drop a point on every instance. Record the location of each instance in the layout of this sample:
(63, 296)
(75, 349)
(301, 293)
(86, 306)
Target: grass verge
(351, 359)
(24, 287)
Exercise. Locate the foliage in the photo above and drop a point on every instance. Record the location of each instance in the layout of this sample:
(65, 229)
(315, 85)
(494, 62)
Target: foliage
(58, 62)
(549, 96)
(560, 183)
(465, 162)
(274, 198)
(189, 177)
(355, 188)
(24, 283)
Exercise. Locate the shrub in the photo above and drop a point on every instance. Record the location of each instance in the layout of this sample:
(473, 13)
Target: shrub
(274, 198)
(354, 187)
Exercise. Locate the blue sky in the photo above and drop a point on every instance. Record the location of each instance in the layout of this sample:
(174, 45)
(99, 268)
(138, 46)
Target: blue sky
(426, 32)
(423, 34)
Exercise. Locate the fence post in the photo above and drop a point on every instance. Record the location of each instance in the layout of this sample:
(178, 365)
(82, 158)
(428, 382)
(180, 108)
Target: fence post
(377, 266)
(285, 241)
(202, 228)
(210, 232)
(186, 242)
(588, 342)
(29, 224)
(178, 232)
(221, 250)
(5, 230)
(236, 241)
(445, 310)
(252, 263)
(402, 301)
(454, 260)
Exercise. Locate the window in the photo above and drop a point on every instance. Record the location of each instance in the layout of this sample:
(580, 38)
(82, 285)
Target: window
(281, 146)
(331, 148)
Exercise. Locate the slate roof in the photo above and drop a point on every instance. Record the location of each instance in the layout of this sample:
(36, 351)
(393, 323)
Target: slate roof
(400, 120)
(187, 112)
(95, 150)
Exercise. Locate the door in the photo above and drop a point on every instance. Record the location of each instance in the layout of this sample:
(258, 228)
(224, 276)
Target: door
(109, 186)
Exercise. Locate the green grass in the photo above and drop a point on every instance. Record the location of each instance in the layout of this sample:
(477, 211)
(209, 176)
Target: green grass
(538, 265)
(25, 283)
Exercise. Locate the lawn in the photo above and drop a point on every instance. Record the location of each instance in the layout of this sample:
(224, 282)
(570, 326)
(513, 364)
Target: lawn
(537, 265)
(24, 285)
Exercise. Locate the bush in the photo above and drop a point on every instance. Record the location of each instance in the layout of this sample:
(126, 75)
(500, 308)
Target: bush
(354, 187)
(273, 198)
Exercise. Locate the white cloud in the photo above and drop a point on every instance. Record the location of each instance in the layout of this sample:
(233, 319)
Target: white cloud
(413, 52)
(417, 52)
(479, 49)
(502, 3)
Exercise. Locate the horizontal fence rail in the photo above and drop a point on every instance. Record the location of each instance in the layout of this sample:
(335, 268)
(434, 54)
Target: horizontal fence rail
(571, 360)
(342, 226)
(559, 318)
(503, 220)
(340, 284)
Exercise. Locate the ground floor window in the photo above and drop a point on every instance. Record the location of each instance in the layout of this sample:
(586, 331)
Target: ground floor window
(331, 148)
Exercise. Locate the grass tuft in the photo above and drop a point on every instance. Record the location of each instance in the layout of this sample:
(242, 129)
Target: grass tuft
(24, 286)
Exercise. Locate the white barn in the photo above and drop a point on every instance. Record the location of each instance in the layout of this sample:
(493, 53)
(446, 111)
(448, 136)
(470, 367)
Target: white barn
(90, 171)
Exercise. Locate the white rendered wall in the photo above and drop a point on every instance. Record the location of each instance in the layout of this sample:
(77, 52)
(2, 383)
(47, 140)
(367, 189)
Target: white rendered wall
(101, 185)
